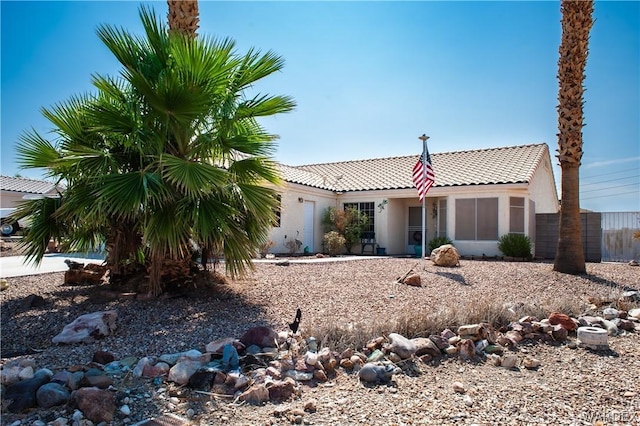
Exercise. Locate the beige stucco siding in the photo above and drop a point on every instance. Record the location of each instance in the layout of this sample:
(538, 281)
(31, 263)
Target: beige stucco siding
(542, 189)
(292, 216)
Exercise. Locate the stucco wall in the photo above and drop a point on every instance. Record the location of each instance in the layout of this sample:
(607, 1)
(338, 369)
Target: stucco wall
(292, 216)
(542, 189)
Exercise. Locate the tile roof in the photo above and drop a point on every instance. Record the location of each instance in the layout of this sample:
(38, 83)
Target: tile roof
(512, 164)
(30, 186)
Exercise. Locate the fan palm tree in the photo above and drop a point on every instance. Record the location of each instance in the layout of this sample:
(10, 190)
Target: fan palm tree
(577, 21)
(168, 156)
(183, 16)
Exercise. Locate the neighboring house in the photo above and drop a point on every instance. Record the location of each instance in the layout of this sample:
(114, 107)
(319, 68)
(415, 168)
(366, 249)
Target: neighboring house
(477, 197)
(15, 189)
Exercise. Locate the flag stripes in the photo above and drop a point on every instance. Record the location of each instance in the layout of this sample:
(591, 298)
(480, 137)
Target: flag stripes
(422, 180)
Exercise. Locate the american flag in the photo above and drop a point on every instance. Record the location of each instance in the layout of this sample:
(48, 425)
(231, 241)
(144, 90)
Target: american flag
(422, 180)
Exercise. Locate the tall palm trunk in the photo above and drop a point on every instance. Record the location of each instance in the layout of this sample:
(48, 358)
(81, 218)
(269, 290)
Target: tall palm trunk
(577, 21)
(183, 16)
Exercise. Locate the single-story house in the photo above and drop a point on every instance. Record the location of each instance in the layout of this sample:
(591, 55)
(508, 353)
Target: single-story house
(14, 189)
(477, 197)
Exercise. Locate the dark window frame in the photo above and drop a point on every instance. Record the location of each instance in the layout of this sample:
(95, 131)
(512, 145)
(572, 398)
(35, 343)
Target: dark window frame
(366, 207)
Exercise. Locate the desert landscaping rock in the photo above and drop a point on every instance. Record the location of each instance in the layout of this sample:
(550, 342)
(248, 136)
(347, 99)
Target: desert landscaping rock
(421, 389)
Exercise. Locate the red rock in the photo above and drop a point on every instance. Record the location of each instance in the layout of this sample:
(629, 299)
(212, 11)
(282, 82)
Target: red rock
(467, 349)
(320, 376)
(260, 336)
(413, 280)
(564, 320)
(157, 370)
(255, 395)
(98, 405)
(103, 357)
(282, 390)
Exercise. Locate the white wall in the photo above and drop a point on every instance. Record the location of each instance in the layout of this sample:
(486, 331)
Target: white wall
(542, 189)
(292, 216)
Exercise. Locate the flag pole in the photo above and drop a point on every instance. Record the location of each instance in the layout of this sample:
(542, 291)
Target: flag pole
(424, 138)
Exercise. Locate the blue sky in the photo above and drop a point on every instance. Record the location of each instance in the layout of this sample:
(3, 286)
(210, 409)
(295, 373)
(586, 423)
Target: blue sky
(370, 77)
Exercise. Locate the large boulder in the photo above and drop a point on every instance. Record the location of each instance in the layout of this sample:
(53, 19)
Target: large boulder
(446, 255)
(88, 327)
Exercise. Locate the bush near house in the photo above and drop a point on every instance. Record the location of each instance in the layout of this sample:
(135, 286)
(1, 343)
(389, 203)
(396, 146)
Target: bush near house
(350, 223)
(436, 242)
(515, 245)
(333, 242)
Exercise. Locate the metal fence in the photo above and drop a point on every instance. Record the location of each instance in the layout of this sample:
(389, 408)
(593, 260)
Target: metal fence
(618, 242)
(606, 237)
(547, 228)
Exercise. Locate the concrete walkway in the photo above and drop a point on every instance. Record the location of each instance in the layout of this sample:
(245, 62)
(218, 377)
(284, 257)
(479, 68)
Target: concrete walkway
(15, 266)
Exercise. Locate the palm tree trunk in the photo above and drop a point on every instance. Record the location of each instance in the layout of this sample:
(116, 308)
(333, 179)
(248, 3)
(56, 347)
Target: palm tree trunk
(183, 16)
(577, 21)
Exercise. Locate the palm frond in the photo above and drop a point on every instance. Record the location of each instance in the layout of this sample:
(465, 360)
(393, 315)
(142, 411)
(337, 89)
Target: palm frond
(34, 151)
(192, 178)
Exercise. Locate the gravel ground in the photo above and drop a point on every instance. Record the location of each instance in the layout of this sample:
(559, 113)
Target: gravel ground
(572, 386)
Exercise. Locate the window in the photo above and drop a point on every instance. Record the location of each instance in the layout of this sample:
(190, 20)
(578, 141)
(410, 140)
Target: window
(516, 215)
(277, 211)
(477, 219)
(366, 208)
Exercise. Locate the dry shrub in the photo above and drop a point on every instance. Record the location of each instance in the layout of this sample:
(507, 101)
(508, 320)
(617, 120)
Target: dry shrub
(422, 324)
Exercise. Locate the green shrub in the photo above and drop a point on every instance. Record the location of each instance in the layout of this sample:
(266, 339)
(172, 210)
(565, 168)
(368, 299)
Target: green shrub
(439, 241)
(333, 242)
(350, 223)
(515, 245)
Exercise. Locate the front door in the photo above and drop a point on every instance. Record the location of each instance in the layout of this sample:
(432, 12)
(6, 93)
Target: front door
(308, 235)
(414, 230)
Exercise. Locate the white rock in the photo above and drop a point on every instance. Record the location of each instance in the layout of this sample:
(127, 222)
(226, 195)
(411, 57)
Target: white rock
(531, 363)
(10, 375)
(87, 327)
(191, 355)
(311, 358)
(634, 313)
(183, 370)
(77, 415)
(509, 361)
(26, 373)
(404, 347)
(125, 410)
(139, 368)
(458, 387)
(610, 313)
(468, 401)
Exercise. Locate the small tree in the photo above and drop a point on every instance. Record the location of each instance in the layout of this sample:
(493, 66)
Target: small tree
(350, 223)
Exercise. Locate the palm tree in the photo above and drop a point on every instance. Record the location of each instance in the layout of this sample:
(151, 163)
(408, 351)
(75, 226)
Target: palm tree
(577, 21)
(169, 156)
(183, 16)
